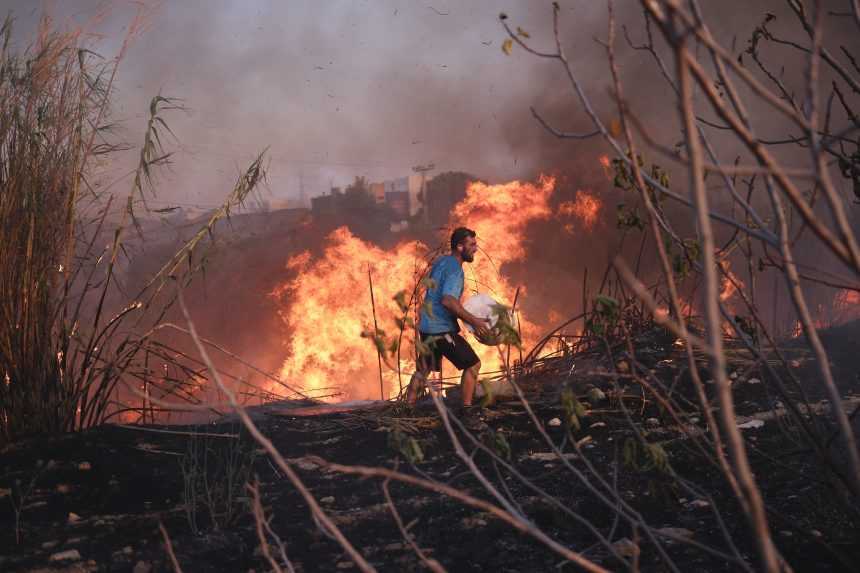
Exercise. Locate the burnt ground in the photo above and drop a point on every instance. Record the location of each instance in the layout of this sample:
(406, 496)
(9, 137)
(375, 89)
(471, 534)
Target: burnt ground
(97, 497)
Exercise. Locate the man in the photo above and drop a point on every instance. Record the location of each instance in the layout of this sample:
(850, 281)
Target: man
(439, 329)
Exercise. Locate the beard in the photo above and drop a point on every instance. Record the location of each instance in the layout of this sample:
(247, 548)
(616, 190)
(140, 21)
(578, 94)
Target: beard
(468, 257)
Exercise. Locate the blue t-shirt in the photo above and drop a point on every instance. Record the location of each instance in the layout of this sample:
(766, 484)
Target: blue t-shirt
(447, 277)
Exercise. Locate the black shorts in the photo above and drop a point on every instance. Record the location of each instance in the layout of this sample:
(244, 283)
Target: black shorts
(450, 345)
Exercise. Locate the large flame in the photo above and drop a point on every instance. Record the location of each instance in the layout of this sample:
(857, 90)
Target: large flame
(326, 305)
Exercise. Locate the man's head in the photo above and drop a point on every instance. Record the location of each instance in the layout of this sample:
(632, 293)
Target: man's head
(464, 244)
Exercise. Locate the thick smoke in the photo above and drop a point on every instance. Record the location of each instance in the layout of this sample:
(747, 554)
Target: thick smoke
(338, 89)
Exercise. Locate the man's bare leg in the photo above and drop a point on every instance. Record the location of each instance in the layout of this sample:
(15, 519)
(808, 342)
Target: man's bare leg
(468, 382)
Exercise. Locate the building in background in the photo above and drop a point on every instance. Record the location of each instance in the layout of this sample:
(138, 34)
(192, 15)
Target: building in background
(326, 205)
(377, 190)
(398, 202)
(411, 186)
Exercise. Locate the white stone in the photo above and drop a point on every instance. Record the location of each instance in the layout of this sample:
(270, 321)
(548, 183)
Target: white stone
(596, 395)
(626, 548)
(67, 555)
(555, 422)
(675, 532)
(549, 456)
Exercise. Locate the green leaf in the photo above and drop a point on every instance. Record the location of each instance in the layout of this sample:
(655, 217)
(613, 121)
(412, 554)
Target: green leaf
(406, 445)
(400, 299)
(487, 398)
(497, 442)
(573, 409)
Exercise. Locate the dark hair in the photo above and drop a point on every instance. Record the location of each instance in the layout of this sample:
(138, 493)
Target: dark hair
(459, 235)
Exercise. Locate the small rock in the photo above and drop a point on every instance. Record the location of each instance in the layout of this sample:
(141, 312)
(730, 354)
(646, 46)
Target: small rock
(345, 565)
(733, 375)
(653, 422)
(63, 488)
(751, 425)
(816, 533)
(598, 425)
(584, 441)
(327, 499)
(127, 550)
(142, 567)
(555, 422)
(50, 544)
(85, 466)
(549, 456)
(67, 555)
(753, 381)
(699, 504)
(596, 395)
(694, 420)
(626, 548)
(304, 464)
(74, 517)
(794, 363)
(675, 532)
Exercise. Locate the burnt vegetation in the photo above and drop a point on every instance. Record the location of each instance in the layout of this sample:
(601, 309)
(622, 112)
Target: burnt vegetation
(683, 419)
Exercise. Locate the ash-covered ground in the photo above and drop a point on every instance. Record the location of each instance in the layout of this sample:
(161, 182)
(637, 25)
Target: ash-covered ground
(93, 501)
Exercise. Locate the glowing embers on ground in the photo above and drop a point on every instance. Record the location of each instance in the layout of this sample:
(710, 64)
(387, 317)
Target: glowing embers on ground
(325, 306)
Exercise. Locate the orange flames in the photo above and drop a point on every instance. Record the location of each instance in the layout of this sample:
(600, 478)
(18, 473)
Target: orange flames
(326, 306)
(845, 307)
(604, 162)
(586, 207)
(730, 283)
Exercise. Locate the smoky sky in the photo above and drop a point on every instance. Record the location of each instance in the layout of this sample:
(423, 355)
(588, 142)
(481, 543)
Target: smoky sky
(337, 89)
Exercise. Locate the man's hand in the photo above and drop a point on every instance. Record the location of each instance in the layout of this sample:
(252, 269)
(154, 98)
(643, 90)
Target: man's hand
(481, 325)
(482, 328)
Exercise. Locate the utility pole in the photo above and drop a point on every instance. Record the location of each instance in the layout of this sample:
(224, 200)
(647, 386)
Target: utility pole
(423, 169)
(302, 188)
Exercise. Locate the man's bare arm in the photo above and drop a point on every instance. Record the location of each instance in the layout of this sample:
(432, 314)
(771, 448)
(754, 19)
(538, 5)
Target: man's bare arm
(454, 306)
